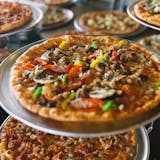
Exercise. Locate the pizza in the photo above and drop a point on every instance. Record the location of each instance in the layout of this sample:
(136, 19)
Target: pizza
(148, 11)
(18, 141)
(108, 22)
(53, 16)
(152, 42)
(86, 78)
(54, 2)
(3, 54)
(13, 15)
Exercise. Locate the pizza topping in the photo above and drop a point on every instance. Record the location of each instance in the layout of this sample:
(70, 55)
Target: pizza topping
(90, 22)
(115, 55)
(46, 55)
(97, 60)
(87, 103)
(62, 45)
(43, 79)
(152, 6)
(28, 66)
(157, 84)
(109, 105)
(143, 58)
(102, 93)
(68, 100)
(94, 44)
(78, 63)
(54, 68)
(37, 92)
(73, 71)
(64, 79)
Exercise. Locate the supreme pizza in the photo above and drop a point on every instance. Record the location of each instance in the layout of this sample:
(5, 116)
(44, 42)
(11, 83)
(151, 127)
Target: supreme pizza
(148, 11)
(86, 78)
(53, 16)
(108, 22)
(13, 15)
(152, 42)
(18, 141)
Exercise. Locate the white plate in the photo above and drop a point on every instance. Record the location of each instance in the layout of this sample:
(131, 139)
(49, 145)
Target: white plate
(130, 11)
(36, 18)
(69, 16)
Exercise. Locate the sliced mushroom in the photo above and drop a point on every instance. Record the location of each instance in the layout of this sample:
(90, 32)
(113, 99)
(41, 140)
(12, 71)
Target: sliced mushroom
(46, 55)
(102, 93)
(44, 80)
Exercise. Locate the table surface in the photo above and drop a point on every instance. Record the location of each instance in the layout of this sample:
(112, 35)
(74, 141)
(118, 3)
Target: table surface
(79, 8)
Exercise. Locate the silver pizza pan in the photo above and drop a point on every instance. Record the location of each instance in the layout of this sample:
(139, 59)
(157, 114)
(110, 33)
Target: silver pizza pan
(137, 32)
(131, 13)
(142, 140)
(74, 129)
(69, 16)
(36, 18)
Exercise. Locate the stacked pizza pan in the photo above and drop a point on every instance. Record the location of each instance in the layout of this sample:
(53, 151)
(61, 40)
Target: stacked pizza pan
(82, 94)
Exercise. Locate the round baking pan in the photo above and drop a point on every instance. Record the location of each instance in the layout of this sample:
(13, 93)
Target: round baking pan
(142, 141)
(131, 13)
(65, 128)
(36, 18)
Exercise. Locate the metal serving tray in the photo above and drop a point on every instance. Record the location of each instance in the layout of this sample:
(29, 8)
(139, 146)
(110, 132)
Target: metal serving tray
(82, 129)
(142, 140)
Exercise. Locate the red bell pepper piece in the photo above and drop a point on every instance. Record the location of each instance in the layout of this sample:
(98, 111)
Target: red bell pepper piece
(54, 68)
(90, 57)
(73, 71)
(115, 55)
(28, 66)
